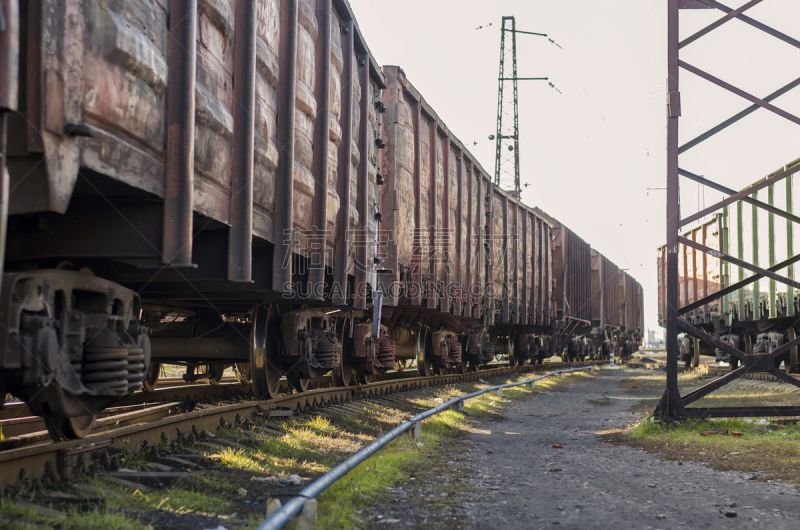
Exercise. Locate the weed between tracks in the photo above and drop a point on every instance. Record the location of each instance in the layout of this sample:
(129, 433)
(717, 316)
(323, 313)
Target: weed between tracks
(232, 488)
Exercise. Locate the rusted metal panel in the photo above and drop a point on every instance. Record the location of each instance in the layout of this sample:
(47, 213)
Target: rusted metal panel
(268, 49)
(572, 272)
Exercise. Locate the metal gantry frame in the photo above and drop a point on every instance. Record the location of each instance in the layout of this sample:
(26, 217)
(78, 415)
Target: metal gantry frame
(672, 405)
(509, 25)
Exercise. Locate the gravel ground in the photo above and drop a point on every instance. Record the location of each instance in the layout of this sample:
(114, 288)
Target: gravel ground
(507, 474)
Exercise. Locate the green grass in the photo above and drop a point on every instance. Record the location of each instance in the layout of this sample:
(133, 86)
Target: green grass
(13, 516)
(772, 450)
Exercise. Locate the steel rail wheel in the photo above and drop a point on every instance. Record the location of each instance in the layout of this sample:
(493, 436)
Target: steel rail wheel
(69, 428)
(790, 359)
(264, 336)
(512, 358)
(747, 341)
(424, 363)
(151, 381)
(343, 372)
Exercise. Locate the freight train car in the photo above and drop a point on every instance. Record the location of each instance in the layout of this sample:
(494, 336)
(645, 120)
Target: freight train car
(606, 314)
(759, 316)
(184, 176)
(216, 183)
(468, 264)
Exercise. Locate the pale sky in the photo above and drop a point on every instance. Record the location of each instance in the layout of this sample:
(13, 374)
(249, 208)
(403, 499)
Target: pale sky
(591, 153)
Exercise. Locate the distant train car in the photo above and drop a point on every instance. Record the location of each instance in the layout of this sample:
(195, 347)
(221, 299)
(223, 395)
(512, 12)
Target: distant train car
(759, 316)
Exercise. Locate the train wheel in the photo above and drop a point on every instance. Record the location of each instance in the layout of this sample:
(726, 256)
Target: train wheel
(512, 358)
(696, 360)
(343, 373)
(790, 360)
(363, 378)
(69, 428)
(424, 364)
(214, 373)
(243, 373)
(264, 346)
(153, 372)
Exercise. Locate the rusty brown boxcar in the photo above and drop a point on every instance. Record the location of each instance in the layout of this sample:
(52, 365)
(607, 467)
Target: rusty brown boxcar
(463, 255)
(606, 303)
(216, 157)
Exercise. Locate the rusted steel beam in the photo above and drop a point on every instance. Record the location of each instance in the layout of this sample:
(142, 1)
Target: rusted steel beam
(284, 190)
(746, 112)
(490, 259)
(526, 281)
(419, 216)
(240, 246)
(472, 248)
(9, 55)
(345, 165)
(714, 25)
(431, 217)
(712, 386)
(459, 254)
(750, 200)
(506, 264)
(741, 195)
(179, 188)
(360, 290)
(671, 406)
(9, 87)
(319, 164)
(446, 228)
(756, 24)
(739, 92)
(736, 261)
(741, 412)
(783, 376)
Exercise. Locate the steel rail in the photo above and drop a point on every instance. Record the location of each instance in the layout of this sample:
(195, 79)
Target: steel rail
(42, 460)
(292, 507)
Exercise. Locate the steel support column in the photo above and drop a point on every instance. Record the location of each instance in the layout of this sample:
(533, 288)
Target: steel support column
(672, 405)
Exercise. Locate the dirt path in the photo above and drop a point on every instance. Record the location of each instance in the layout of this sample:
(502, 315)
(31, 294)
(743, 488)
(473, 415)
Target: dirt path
(511, 476)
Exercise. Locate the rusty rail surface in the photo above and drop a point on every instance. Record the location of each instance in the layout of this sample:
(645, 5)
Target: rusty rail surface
(54, 461)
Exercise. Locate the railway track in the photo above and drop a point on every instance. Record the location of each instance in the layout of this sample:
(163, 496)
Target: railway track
(30, 455)
(707, 370)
